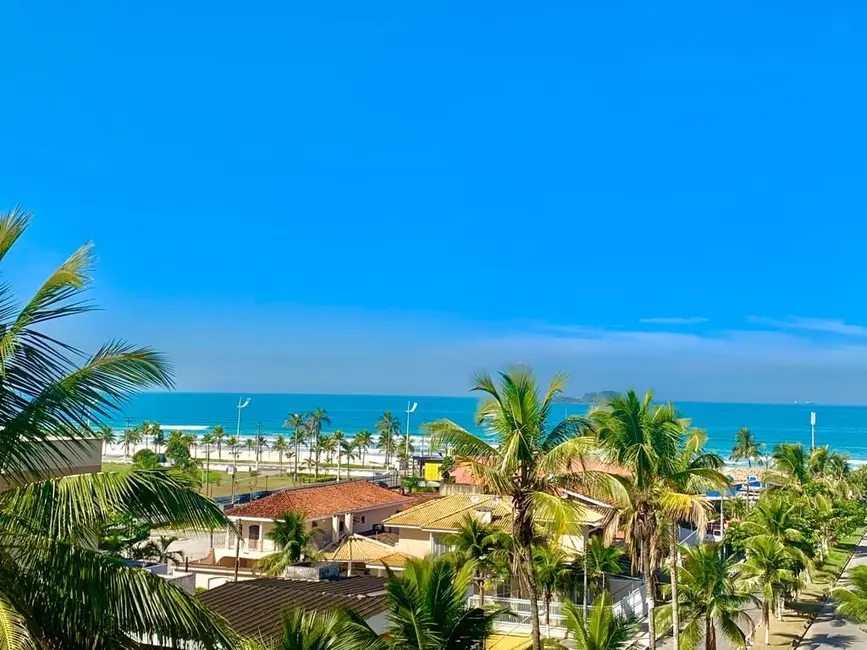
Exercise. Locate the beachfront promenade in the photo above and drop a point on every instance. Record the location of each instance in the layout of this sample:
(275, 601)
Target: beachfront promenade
(832, 631)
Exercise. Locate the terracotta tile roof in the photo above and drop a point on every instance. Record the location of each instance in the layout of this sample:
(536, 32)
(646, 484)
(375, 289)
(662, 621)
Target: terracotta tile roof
(356, 548)
(253, 607)
(449, 512)
(321, 500)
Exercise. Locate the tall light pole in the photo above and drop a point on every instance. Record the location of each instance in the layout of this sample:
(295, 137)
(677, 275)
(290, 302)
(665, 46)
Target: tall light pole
(812, 429)
(410, 409)
(242, 403)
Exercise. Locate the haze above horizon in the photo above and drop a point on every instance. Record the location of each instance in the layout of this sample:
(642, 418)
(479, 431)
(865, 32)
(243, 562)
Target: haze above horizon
(387, 198)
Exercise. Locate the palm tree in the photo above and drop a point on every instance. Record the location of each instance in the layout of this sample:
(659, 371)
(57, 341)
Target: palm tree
(207, 441)
(308, 630)
(294, 541)
(709, 598)
(427, 607)
(314, 423)
(145, 428)
(191, 441)
(155, 430)
(602, 560)
(387, 428)
(766, 569)
(337, 438)
(219, 433)
(159, 440)
(600, 628)
(130, 438)
(296, 422)
(555, 574)
(852, 599)
(281, 447)
(481, 545)
(56, 589)
(664, 468)
(776, 516)
(791, 464)
(746, 448)
(363, 440)
(405, 448)
(158, 550)
(250, 444)
(232, 443)
(530, 462)
(108, 437)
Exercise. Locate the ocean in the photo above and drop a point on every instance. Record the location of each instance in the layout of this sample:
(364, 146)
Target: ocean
(842, 427)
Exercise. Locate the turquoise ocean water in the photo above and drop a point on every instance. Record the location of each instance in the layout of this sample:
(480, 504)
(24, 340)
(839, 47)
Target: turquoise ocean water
(842, 427)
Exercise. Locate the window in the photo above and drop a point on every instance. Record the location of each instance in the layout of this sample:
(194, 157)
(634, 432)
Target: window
(438, 547)
(341, 526)
(362, 519)
(254, 532)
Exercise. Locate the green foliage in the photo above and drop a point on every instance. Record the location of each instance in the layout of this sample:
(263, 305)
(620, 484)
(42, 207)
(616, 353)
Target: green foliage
(145, 459)
(600, 629)
(852, 599)
(294, 543)
(602, 559)
(447, 466)
(710, 598)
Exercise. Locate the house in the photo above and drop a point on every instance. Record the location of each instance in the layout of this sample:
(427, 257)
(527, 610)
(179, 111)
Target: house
(335, 510)
(422, 529)
(253, 608)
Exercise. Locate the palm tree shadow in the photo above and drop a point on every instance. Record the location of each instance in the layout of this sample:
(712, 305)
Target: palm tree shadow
(830, 640)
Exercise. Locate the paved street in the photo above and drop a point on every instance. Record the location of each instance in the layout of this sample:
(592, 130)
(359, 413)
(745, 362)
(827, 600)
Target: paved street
(830, 630)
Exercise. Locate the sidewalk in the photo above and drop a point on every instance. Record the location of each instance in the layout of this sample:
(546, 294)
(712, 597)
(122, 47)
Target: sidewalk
(832, 631)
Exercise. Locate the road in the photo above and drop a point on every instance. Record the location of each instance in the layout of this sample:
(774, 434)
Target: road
(832, 631)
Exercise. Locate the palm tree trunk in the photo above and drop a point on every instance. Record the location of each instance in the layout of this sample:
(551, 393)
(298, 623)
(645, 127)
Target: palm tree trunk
(480, 584)
(548, 615)
(651, 593)
(675, 604)
(766, 619)
(280, 460)
(296, 456)
(522, 529)
(709, 634)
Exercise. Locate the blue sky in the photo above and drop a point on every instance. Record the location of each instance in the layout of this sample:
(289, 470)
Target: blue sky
(386, 197)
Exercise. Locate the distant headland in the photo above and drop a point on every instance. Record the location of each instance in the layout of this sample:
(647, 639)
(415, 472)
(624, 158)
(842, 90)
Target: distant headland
(587, 398)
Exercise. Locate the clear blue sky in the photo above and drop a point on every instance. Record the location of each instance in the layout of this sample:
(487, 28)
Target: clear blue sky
(384, 197)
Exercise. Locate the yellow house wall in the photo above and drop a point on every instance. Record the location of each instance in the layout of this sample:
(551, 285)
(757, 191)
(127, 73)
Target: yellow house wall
(414, 542)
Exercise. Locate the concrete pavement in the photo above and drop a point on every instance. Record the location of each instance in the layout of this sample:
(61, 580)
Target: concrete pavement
(832, 631)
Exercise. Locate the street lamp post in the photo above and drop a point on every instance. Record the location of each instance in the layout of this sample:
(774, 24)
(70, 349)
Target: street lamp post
(812, 429)
(410, 409)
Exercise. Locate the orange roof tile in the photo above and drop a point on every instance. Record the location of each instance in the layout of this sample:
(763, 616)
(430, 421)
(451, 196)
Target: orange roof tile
(321, 500)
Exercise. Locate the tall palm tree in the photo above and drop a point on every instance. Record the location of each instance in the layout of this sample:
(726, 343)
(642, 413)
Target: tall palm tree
(746, 448)
(158, 550)
(294, 542)
(363, 440)
(664, 466)
(600, 628)
(56, 589)
(155, 430)
(219, 434)
(281, 447)
(482, 546)
(338, 439)
(766, 570)
(159, 440)
(852, 598)
(207, 442)
(145, 428)
(776, 516)
(427, 607)
(387, 429)
(314, 423)
(232, 443)
(531, 462)
(108, 437)
(710, 597)
(130, 438)
(296, 422)
(602, 560)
